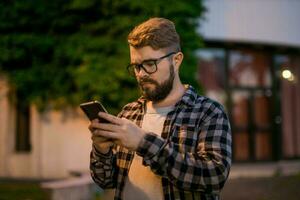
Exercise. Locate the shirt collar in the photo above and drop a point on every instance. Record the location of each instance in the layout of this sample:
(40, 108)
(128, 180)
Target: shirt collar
(189, 97)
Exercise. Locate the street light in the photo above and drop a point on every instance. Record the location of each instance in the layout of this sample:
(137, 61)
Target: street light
(288, 75)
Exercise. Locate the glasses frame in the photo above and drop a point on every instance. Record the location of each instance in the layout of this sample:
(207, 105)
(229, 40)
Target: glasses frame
(138, 67)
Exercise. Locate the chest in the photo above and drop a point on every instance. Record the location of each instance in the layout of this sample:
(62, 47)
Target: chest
(180, 127)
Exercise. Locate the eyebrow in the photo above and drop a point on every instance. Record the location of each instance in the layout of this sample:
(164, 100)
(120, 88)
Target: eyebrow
(147, 60)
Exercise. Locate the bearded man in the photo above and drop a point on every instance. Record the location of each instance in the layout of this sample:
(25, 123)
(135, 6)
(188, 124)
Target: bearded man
(169, 144)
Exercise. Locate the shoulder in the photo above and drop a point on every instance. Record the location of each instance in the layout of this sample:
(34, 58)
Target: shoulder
(130, 108)
(201, 104)
(209, 107)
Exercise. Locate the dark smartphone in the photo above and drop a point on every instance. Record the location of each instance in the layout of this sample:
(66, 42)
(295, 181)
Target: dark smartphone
(92, 108)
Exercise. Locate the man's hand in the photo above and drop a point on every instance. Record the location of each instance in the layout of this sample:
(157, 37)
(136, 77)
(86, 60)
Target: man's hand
(102, 144)
(121, 131)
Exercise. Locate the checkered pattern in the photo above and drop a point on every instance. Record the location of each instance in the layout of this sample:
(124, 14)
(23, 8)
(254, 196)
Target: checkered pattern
(192, 155)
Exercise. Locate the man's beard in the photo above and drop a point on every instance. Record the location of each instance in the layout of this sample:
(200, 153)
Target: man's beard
(160, 91)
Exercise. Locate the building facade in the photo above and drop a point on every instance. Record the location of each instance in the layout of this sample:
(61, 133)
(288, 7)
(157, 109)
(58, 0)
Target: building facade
(34, 145)
(251, 64)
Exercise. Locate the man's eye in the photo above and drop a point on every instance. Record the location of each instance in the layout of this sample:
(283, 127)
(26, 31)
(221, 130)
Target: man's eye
(148, 64)
(136, 66)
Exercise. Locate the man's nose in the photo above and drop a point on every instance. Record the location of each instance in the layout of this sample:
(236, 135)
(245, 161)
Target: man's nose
(142, 73)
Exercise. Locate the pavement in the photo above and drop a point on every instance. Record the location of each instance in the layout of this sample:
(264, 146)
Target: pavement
(263, 181)
(246, 181)
(264, 169)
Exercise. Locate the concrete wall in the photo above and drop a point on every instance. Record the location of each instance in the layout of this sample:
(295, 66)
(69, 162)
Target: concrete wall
(4, 125)
(266, 21)
(60, 143)
(65, 144)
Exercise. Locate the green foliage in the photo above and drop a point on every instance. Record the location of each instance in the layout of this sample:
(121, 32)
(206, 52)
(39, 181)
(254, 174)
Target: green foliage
(21, 191)
(61, 53)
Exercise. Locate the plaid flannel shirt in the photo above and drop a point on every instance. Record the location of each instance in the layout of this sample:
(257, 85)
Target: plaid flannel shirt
(192, 155)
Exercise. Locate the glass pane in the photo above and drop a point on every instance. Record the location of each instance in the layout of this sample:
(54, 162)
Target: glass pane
(263, 149)
(241, 146)
(211, 73)
(249, 69)
(262, 104)
(240, 109)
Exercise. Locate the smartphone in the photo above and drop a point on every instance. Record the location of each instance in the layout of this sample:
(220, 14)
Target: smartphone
(92, 108)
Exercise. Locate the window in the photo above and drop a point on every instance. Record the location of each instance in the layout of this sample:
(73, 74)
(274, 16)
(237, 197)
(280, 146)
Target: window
(22, 139)
(241, 79)
(250, 83)
(288, 69)
(211, 73)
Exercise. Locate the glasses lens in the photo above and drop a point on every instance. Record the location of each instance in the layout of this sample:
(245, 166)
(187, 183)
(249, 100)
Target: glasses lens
(149, 66)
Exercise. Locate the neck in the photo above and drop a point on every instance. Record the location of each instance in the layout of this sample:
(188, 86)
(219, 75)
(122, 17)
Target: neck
(175, 94)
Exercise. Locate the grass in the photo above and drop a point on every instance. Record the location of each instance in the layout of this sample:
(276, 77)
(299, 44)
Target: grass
(22, 191)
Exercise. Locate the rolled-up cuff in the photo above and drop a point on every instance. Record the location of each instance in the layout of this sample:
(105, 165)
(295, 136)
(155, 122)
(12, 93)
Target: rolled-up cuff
(150, 146)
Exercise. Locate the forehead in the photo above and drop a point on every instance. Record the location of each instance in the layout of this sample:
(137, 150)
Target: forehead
(144, 53)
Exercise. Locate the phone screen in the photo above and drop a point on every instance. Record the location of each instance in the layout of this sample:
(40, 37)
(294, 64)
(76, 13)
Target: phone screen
(92, 108)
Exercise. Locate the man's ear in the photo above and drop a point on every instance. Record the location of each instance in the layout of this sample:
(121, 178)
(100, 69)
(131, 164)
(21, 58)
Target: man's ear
(177, 60)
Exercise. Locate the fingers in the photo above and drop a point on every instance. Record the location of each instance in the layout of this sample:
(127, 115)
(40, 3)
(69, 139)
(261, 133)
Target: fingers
(113, 119)
(106, 134)
(108, 127)
(106, 130)
(114, 126)
(91, 127)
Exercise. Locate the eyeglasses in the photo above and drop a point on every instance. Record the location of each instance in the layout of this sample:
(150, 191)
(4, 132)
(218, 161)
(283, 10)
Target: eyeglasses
(149, 66)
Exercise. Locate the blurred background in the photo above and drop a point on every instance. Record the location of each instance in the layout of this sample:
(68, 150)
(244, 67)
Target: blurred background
(56, 54)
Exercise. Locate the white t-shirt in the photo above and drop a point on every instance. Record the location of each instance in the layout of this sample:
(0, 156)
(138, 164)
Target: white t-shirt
(142, 183)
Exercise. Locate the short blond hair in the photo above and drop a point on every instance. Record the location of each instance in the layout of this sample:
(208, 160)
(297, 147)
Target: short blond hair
(158, 33)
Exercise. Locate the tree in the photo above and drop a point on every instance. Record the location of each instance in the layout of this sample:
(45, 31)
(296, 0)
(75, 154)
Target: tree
(59, 53)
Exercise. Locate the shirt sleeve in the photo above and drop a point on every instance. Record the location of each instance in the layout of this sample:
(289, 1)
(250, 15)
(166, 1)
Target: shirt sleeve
(204, 170)
(102, 168)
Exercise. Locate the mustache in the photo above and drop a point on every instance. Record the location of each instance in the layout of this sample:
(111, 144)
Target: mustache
(146, 80)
